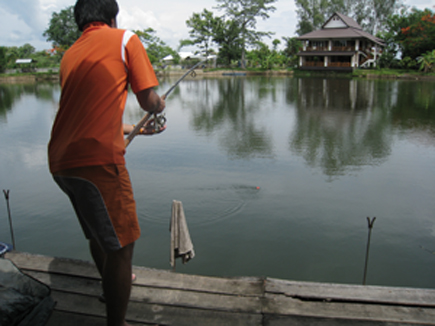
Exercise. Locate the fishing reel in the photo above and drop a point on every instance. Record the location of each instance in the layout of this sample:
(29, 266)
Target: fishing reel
(155, 125)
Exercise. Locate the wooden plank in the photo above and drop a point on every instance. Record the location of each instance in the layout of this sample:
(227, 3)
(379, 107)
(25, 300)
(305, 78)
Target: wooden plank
(62, 318)
(154, 313)
(181, 298)
(51, 264)
(276, 320)
(238, 285)
(282, 305)
(147, 277)
(71, 319)
(352, 293)
(66, 283)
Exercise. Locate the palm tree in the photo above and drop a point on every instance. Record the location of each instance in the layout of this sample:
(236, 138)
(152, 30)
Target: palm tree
(427, 61)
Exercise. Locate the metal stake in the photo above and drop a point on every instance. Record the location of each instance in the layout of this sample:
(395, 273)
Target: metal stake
(6, 192)
(368, 247)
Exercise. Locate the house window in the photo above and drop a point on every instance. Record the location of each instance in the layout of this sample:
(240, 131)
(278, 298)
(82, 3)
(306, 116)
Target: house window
(340, 43)
(319, 45)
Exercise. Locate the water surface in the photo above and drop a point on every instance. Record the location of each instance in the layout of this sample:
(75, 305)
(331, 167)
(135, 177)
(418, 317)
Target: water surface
(277, 177)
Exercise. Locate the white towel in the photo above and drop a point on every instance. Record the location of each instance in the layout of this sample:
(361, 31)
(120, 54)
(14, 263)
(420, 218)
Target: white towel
(181, 244)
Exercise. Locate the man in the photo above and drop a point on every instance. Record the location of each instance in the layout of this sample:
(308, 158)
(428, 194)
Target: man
(86, 149)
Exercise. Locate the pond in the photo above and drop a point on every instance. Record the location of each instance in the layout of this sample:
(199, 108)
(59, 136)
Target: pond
(277, 176)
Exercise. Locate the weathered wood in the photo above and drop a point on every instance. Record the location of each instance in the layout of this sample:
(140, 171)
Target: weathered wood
(166, 298)
(182, 298)
(72, 319)
(148, 277)
(276, 320)
(352, 293)
(281, 305)
(154, 313)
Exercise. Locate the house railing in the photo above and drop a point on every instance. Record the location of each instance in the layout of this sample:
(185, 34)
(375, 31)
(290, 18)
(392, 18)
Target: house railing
(317, 48)
(339, 64)
(343, 48)
(314, 64)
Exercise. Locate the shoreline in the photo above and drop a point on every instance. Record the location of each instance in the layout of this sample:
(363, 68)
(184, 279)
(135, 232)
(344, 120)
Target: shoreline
(54, 77)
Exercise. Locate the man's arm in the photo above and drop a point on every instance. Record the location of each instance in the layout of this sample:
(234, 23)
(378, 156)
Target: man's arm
(150, 101)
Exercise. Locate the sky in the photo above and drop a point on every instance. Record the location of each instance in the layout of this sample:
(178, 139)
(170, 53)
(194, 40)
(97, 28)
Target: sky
(24, 21)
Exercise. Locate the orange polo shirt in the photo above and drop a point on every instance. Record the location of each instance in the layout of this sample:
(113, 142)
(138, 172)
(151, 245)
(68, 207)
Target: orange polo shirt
(95, 74)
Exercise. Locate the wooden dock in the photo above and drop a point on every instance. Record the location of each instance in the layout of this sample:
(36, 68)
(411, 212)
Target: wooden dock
(165, 298)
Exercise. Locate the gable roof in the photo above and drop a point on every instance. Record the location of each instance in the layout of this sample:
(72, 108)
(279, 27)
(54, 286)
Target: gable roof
(350, 22)
(351, 30)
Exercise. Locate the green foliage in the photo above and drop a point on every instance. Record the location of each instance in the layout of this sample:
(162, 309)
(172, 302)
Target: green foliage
(156, 48)
(292, 48)
(415, 32)
(427, 61)
(408, 63)
(264, 58)
(62, 30)
(227, 36)
(372, 15)
(312, 14)
(3, 58)
(244, 13)
(203, 26)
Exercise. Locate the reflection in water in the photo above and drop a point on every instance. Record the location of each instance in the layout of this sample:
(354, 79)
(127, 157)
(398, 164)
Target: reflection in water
(341, 124)
(229, 108)
(10, 93)
(225, 137)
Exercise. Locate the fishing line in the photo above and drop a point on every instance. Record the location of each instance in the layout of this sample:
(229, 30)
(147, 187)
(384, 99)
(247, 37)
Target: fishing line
(145, 118)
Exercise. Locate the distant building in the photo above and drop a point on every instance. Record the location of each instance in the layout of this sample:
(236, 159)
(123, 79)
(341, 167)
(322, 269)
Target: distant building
(187, 58)
(27, 65)
(340, 44)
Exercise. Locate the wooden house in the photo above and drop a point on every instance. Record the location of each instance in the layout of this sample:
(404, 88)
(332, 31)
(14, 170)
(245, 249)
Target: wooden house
(340, 44)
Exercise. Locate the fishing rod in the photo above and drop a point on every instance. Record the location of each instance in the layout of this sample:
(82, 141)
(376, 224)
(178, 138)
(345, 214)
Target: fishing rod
(146, 117)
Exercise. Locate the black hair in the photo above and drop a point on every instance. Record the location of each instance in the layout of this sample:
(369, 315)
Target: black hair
(88, 11)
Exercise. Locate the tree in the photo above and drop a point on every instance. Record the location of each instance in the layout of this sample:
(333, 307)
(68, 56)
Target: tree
(427, 61)
(156, 48)
(3, 58)
(416, 32)
(292, 48)
(245, 13)
(227, 36)
(202, 26)
(372, 15)
(26, 50)
(62, 30)
(313, 13)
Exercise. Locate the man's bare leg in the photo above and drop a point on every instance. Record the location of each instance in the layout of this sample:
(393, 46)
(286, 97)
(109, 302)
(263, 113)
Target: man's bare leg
(116, 274)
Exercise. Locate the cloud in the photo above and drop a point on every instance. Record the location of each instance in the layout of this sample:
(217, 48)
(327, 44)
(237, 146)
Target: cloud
(24, 21)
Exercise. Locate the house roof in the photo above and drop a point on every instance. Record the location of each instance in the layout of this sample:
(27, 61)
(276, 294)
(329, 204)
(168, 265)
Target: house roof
(350, 22)
(352, 30)
(188, 55)
(25, 61)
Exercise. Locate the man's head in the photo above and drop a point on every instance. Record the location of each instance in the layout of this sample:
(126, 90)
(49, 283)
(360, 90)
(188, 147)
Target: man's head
(88, 11)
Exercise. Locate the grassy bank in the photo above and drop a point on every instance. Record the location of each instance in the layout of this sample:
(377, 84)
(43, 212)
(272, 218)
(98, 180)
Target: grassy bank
(358, 73)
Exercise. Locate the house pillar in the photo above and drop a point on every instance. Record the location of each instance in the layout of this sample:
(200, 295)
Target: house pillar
(375, 55)
(329, 45)
(325, 61)
(357, 45)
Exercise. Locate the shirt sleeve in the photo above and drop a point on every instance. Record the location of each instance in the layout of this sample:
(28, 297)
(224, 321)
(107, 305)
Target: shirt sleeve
(140, 71)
